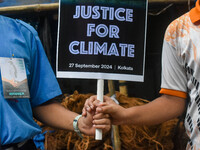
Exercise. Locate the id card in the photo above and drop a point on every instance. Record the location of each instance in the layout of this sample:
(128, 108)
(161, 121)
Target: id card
(14, 78)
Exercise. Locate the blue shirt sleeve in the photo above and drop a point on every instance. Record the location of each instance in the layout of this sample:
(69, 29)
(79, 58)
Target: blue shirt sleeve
(43, 84)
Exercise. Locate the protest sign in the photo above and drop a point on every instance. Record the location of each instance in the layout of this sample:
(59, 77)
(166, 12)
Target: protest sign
(100, 39)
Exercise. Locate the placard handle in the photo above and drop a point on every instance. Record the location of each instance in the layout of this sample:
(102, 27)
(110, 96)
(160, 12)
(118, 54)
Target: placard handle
(100, 92)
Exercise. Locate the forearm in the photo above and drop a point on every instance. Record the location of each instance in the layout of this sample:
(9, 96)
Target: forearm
(161, 109)
(55, 115)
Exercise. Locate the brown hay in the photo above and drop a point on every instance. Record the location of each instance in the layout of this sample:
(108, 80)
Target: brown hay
(158, 137)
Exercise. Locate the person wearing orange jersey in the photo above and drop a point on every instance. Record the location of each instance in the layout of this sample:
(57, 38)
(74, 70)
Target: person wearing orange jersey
(180, 85)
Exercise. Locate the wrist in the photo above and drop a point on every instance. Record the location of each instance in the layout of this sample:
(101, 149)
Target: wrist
(76, 125)
(81, 125)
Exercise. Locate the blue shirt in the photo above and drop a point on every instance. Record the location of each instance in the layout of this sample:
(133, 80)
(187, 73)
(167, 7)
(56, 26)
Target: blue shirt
(20, 40)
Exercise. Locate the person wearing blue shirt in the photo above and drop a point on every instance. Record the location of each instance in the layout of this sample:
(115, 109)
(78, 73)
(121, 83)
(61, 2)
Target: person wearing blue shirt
(20, 40)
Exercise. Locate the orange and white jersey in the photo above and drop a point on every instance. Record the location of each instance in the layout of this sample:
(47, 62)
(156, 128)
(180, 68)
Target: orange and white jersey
(181, 68)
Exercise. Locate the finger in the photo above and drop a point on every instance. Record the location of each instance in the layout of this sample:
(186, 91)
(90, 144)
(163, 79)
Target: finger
(104, 124)
(91, 106)
(100, 116)
(92, 113)
(87, 105)
(96, 103)
(86, 101)
(107, 99)
(106, 109)
(100, 104)
(84, 112)
(104, 121)
(104, 128)
(90, 102)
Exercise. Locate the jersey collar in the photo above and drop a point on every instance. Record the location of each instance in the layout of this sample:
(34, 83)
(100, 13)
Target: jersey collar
(195, 13)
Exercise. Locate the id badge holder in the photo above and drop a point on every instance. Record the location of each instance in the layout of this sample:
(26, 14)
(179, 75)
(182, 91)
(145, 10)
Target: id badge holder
(14, 78)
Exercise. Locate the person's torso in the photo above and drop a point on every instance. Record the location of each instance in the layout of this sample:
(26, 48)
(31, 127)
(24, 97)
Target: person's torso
(185, 37)
(16, 119)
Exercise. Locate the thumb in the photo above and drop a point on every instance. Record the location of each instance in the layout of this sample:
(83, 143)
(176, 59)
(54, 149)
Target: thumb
(104, 109)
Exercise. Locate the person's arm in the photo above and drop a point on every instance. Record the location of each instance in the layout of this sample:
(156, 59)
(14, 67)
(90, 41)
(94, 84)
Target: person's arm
(159, 110)
(55, 115)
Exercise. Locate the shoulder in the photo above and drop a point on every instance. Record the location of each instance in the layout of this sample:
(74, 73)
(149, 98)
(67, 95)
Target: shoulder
(177, 29)
(17, 24)
(27, 27)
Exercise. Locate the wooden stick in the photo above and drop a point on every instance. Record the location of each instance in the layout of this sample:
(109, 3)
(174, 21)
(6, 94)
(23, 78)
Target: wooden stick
(29, 8)
(54, 6)
(117, 141)
(111, 87)
(115, 128)
(123, 87)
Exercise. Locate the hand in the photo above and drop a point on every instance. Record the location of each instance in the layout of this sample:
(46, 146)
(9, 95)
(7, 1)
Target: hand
(89, 106)
(116, 112)
(87, 124)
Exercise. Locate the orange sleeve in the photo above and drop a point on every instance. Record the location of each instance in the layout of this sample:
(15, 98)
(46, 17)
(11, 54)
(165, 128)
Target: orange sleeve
(173, 93)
